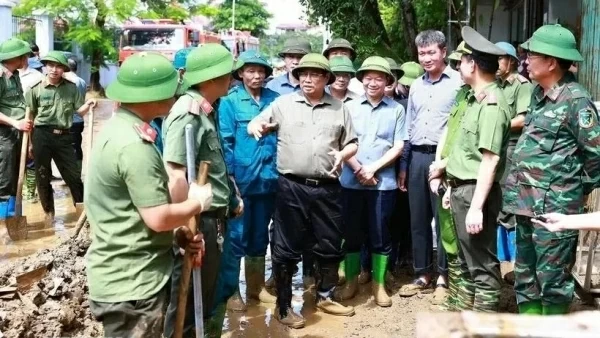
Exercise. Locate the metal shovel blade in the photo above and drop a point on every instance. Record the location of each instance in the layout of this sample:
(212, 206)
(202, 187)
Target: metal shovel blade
(17, 227)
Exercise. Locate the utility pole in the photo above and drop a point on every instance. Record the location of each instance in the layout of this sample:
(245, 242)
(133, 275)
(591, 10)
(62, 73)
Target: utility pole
(233, 15)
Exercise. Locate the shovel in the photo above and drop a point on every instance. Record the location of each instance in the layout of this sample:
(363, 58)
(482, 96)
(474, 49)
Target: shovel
(90, 137)
(17, 225)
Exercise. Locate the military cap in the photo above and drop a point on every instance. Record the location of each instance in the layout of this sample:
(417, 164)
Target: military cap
(295, 46)
(206, 63)
(395, 68)
(144, 77)
(554, 40)
(412, 71)
(459, 52)
(341, 64)
(340, 43)
(251, 57)
(180, 57)
(508, 49)
(57, 57)
(377, 64)
(478, 44)
(314, 61)
(13, 48)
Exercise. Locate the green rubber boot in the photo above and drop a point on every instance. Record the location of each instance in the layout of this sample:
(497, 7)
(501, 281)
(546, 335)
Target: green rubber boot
(350, 288)
(531, 308)
(214, 325)
(378, 286)
(342, 273)
(555, 309)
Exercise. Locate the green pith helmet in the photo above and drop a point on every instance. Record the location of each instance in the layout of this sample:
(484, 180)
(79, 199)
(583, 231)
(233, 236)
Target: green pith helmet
(252, 58)
(57, 57)
(314, 61)
(554, 40)
(341, 64)
(206, 63)
(144, 77)
(459, 52)
(340, 43)
(378, 64)
(412, 71)
(395, 68)
(13, 48)
(295, 46)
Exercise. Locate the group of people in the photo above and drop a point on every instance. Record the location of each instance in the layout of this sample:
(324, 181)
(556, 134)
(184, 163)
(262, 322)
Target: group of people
(42, 96)
(339, 168)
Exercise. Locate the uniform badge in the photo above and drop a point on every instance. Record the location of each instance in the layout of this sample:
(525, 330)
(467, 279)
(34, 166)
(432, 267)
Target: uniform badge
(587, 118)
(146, 132)
(196, 107)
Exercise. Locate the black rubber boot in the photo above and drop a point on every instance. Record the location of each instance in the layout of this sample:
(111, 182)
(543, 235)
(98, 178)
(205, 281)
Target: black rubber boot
(283, 310)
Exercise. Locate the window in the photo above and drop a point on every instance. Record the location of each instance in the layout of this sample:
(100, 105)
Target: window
(154, 38)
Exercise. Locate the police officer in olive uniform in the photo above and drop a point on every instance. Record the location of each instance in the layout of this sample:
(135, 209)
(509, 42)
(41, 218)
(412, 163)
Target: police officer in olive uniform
(13, 56)
(129, 207)
(52, 102)
(208, 72)
(474, 168)
(555, 164)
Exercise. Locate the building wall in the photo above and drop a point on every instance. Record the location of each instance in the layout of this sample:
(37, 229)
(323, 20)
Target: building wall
(500, 25)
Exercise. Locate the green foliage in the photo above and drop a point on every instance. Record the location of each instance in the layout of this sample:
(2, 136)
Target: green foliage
(271, 45)
(250, 15)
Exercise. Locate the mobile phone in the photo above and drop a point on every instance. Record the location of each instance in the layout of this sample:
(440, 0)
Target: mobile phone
(540, 218)
(441, 190)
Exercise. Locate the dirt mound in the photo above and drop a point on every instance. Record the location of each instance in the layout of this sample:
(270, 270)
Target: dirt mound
(46, 294)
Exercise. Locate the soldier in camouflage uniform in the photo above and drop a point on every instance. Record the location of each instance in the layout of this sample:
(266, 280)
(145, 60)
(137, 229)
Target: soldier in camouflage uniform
(556, 163)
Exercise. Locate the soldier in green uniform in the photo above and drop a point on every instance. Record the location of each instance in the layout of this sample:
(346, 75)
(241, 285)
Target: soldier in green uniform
(474, 168)
(13, 56)
(129, 207)
(555, 164)
(52, 102)
(208, 72)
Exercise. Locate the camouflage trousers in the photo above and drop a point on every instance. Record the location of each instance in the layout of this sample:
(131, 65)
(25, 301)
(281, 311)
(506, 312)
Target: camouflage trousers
(477, 253)
(30, 189)
(543, 264)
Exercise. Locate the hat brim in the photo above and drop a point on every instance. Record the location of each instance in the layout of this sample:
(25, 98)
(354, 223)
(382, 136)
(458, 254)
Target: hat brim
(194, 77)
(15, 54)
(361, 72)
(296, 70)
(268, 70)
(352, 52)
(552, 50)
(343, 69)
(292, 51)
(456, 56)
(120, 92)
(65, 68)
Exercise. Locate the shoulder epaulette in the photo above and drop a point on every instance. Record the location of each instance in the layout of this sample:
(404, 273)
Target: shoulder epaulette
(37, 82)
(196, 107)
(492, 98)
(522, 78)
(146, 132)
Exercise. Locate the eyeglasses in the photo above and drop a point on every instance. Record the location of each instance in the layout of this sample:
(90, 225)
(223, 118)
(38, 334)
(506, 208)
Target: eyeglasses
(312, 75)
(533, 55)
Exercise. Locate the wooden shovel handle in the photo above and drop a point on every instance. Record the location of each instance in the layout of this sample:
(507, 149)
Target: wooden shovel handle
(23, 160)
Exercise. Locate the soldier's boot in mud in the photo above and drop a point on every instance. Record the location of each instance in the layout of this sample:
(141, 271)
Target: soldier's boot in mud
(214, 325)
(351, 270)
(235, 303)
(531, 308)
(453, 281)
(486, 301)
(327, 281)
(283, 310)
(555, 309)
(255, 280)
(378, 286)
(342, 273)
(364, 277)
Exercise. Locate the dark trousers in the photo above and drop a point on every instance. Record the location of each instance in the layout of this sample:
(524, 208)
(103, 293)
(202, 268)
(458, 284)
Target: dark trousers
(134, 319)
(308, 218)
(367, 216)
(48, 146)
(76, 132)
(400, 231)
(211, 263)
(423, 209)
(10, 151)
(477, 253)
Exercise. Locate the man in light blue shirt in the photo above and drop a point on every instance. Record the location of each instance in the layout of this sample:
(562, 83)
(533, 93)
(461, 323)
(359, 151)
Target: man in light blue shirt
(369, 178)
(77, 127)
(293, 50)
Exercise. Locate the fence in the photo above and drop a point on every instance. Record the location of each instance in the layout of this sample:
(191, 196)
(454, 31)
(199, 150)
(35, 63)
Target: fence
(24, 28)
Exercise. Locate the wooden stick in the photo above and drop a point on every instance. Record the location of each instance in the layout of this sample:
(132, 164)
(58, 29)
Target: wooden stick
(83, 217)
(23, 160)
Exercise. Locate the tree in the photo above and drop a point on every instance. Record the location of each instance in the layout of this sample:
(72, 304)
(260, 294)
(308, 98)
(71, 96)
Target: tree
(271, 45)
(250, 15)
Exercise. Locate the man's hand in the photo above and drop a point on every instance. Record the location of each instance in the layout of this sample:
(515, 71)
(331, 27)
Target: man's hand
(337, 163)
(202, 194)
(91, 103)
(185, 240)
(259, 128)
(474, 221)
(437, 169)
(367, 173)
(239, 211)
(446, 200)
(553, 222)
(434, 185)
(23, 125)
(401, 180)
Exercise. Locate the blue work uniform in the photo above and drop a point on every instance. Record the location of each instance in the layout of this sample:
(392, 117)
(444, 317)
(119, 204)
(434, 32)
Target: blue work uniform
(282, 85)
(253, 166)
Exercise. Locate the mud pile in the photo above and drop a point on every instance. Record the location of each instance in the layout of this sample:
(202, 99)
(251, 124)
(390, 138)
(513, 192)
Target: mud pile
(46, 294)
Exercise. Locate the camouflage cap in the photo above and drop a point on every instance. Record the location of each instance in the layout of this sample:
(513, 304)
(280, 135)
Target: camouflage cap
(341, 64)
(57, 57)
(376, 64)
(13, 48)
(295, 46)
(340, 43)
(459, 52)
(554, 40)
(251, 57)
(412, 71)
(314, 61)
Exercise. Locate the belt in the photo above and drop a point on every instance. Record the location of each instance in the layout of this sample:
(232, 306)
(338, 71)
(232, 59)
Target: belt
(54, 130)
(219, 213)
(455, 183)
(427, 149)
(311, 182)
